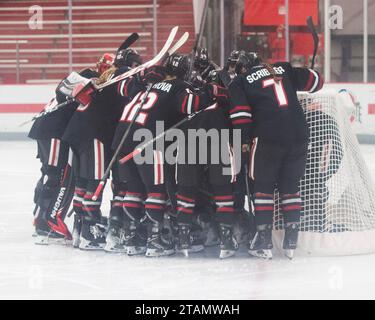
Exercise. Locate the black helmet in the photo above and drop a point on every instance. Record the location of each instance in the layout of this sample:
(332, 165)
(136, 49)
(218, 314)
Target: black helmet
(177, 65)
(126, 58)
(202, 60)
(233, 57)
(247, 60)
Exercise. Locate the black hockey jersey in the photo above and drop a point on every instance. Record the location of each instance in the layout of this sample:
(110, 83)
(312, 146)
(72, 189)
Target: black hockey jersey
(98, 120)
(267, 107)
(168, 101)
(53, 125)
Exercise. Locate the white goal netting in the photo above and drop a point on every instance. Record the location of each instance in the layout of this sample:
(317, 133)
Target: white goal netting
(338, 194)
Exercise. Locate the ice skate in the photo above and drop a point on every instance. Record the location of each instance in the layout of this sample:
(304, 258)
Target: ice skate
(184, 239)
(92, 236)
(290, 239)
(261, 245)
(157, 245)
(115, 240)
(76, 233)
(134, 242)
(228, 243)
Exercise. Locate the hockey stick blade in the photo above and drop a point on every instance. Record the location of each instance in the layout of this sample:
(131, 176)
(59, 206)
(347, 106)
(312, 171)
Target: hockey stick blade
(129, 41)
(312, 29)
(179, 43)
(176, 46)
(144, 66)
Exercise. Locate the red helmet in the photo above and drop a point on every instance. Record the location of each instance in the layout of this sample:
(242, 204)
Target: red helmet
(105, 62)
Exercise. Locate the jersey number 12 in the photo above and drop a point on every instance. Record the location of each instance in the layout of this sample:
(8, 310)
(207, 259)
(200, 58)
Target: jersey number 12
(131, 108)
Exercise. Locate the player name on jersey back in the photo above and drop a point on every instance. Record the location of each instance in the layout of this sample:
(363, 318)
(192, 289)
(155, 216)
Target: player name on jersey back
(263, 73)
(163, 86)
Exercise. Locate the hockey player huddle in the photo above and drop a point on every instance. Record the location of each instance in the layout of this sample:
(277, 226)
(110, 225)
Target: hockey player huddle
(161, 208)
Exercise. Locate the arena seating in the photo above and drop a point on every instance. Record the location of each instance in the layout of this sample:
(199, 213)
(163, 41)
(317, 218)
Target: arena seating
(98, 26)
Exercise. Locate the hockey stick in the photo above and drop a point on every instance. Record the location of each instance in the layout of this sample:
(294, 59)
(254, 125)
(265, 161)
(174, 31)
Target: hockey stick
(138, 150)
(129, 41)
(126, 44)
(197, 40)
(119, 147)
(312, 29)
(144, 66)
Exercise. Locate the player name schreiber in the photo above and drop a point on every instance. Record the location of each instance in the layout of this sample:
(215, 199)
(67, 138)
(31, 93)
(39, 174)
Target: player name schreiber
(190, 309)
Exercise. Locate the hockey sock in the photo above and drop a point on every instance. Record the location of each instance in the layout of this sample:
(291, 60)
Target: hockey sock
(224, 200)
(264, 206)
(185, 204)
(116, 215)
(133, 202)
(91, 208)
(155, 203)
(291, 207)
(79, 193)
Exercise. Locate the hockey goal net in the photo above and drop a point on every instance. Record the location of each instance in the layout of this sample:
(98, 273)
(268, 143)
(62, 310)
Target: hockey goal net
(337, 191)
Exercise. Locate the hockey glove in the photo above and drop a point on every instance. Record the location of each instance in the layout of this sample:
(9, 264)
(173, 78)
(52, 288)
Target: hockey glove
(153, 75)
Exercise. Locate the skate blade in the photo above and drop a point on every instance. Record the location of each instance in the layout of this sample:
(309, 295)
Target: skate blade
(157, 253)
(224, 254)
(76, 243)
(289, 253)
(135, 251)
(197, 248)
(87, 246)
(185, 252)
(111, 249)
(46, 241)
(263, 254)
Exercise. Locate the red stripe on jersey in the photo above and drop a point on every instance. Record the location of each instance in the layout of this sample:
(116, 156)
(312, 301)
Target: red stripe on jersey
(77, 204)
(183, 106)
(196, 104)
(290, 196)
(225, 209)
(132, 205)
(185, 198)
(154, 206)
(181, 209)
(135, 194)
(309, 82)
(292, 208)
(223, 198)
(157, 195)
(263, 208)
(240, 108)
(242, 121)
(263, 195)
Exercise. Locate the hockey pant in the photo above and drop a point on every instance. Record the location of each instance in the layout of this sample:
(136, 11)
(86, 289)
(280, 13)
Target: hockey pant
(277, 166)
(220, 178)
(146, 194)
(89, 166)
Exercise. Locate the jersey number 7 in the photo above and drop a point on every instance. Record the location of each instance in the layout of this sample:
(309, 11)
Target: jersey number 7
(279, 90)
(131, 108)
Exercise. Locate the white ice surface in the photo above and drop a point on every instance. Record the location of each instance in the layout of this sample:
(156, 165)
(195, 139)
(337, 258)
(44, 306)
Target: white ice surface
(55, 272)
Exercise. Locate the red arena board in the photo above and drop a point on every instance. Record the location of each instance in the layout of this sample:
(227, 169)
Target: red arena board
(271, 12)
